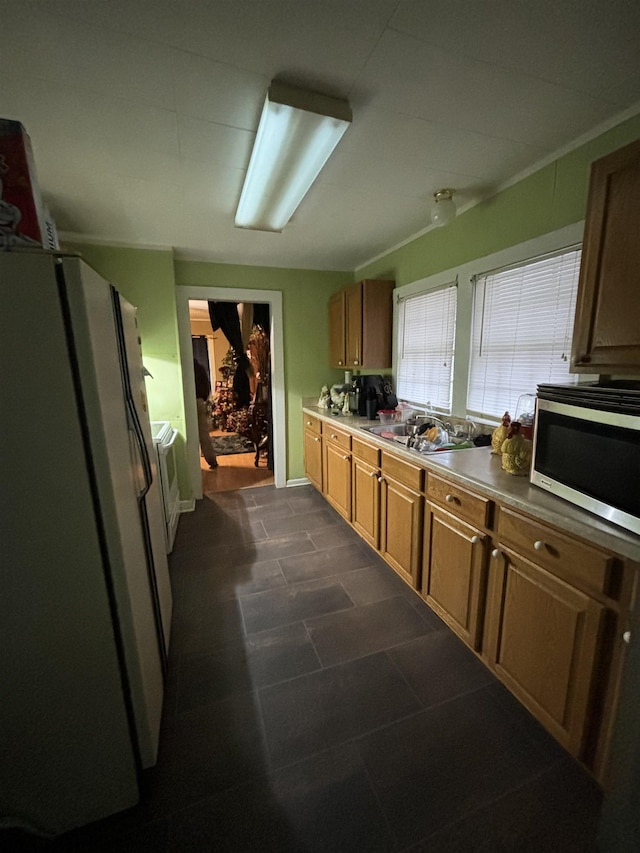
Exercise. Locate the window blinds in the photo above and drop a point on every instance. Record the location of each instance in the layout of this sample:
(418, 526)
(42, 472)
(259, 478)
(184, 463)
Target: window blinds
(426, 339)
(521, 331)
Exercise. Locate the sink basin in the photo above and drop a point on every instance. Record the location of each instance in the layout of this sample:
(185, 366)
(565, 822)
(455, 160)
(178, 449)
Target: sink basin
(379, 429)
(400, 434)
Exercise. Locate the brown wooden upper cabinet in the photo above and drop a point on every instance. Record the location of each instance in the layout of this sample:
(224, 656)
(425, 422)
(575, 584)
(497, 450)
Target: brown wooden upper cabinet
(360, 323)
(606, 335)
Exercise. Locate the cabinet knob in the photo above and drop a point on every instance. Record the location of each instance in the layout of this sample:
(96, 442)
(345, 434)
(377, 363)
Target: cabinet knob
(346, 457)
(373, 474)
(627, 636)
(333, 435)
(539, 545)
(339, 364)
(495, 553)
(316, 439)
(308, 423)
(475, 540)
(449, 499)
(379, 479)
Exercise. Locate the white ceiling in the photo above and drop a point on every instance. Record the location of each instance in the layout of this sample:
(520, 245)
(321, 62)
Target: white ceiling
(142, 113)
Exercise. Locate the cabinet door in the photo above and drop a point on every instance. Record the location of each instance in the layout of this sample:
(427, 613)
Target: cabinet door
(454, 573)
(337, 478)
(353, 296)
(606, 335)
(365, 501)
(313, 458)
(401, 529)
(337, 330)
(544, 645)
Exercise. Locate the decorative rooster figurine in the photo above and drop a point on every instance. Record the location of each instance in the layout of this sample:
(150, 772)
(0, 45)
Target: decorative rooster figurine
(500, 433)
(516, 452)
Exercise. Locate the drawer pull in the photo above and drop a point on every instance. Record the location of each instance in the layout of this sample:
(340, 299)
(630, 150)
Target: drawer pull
(495, 553)
(475, 540)
(449, 499)
(538, 545)
(627, 636)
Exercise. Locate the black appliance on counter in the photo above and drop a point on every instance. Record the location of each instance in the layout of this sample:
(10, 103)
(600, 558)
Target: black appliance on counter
(376, 388)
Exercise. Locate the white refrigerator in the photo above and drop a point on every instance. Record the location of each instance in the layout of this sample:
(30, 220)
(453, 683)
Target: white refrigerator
(85, 599)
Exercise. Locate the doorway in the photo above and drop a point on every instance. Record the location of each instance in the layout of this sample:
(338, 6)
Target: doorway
(239, 416)
(222, 294)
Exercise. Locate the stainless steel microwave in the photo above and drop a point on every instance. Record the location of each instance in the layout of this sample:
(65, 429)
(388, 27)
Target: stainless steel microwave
(586, 448)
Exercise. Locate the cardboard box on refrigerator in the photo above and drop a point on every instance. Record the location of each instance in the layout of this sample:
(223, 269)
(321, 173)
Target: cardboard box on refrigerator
(22, 216)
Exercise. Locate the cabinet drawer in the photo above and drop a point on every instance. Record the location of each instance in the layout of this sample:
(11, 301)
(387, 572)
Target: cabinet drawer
(458, 500)
(405, 472)
(337, 436)
(566, 557)
(365, 452)
(313, 424)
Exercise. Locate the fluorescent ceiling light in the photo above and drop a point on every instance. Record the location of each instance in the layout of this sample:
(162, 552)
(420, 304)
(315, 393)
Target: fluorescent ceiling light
(298, 130)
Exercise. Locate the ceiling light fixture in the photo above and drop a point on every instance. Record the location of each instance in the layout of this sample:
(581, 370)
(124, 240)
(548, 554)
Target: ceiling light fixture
(298, 130)
(444, 209)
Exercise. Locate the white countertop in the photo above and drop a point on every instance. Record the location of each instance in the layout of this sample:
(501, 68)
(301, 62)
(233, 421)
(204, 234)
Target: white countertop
(482, 470)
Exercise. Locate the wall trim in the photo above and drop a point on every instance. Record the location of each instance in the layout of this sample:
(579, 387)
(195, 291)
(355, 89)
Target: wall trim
(187, 506)
(233, 294)
(300, 481)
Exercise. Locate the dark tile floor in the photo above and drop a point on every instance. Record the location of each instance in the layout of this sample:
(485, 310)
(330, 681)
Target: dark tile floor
(315, 703)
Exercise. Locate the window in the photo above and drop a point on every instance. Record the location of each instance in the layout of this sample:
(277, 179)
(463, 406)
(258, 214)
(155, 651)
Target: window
(426, 335)
(521, 331)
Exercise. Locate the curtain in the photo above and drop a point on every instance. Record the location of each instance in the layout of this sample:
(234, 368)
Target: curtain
(224, 316)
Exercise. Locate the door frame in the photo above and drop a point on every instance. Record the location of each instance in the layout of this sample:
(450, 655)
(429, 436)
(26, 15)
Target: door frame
(233, 294)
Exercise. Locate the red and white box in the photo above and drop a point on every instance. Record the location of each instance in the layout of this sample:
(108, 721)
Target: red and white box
(22, 216)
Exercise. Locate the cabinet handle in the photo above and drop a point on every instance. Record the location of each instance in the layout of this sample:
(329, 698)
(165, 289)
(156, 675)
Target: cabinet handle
(539, 545)
(475, 540)
(627, 636)
(449, 499)
(346, 457)
(495, 553)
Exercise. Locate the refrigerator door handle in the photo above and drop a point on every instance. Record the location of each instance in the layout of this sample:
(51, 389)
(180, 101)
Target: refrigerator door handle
(131, 409)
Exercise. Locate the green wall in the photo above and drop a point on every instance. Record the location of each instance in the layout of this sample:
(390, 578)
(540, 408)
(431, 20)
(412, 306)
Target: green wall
(549, 199)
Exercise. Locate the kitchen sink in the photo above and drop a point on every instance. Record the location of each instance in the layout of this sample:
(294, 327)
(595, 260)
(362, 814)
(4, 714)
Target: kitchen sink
(404, 436)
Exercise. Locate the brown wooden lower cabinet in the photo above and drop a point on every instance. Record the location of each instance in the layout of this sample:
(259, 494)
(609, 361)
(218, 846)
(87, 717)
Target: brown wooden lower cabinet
(454, 573)
(313, 458)
(543, 639)
(336, 477)
(401, 529)
(365, 501)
